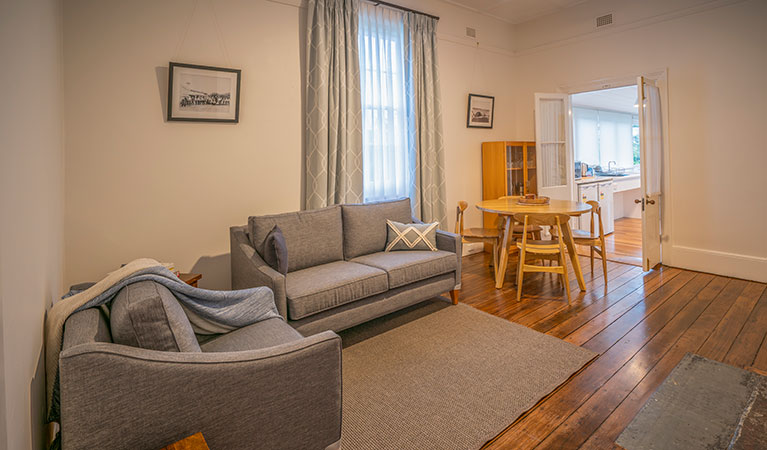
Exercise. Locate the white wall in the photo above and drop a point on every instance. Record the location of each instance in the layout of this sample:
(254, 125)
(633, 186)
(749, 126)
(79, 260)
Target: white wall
(31, 186)
(716, 60)
(139, 186)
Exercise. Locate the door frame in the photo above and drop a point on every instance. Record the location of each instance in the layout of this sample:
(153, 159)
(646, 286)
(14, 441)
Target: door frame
(660, 78)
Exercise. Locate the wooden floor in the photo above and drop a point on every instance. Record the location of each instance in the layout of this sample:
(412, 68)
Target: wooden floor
(641, 328)
(625, 243)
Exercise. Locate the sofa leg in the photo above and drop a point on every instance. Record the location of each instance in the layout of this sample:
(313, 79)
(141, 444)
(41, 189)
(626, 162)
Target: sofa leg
(454, 296)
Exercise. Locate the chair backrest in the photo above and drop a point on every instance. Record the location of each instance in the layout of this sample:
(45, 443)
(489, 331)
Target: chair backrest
(596, 209)
(542, 219)
(462, 205)
(555, 221)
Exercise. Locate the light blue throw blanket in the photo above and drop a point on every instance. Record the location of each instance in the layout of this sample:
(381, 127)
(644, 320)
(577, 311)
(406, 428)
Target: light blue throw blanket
(210, 312)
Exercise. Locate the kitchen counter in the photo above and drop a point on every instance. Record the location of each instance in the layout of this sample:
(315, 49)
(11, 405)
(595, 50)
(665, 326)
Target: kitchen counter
(586, 180)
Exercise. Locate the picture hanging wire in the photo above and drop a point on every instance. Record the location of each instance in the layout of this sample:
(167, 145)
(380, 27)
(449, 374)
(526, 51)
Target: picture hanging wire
(219, 34)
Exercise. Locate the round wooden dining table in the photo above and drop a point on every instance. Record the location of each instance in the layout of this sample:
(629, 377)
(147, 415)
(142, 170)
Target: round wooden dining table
(506, 207)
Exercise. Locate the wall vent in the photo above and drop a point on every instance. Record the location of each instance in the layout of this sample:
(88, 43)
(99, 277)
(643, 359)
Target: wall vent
(605, 20)
(471, 32)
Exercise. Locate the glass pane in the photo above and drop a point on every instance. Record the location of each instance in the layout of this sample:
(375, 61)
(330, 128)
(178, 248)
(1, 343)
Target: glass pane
(531, 157)
(516, 157)
(552, 146)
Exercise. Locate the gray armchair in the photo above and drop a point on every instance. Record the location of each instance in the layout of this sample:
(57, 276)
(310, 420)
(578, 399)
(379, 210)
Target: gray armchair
(262, 386)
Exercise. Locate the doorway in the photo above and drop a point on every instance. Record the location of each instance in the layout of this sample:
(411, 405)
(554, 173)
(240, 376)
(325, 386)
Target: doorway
(606, 151)
(604, 142)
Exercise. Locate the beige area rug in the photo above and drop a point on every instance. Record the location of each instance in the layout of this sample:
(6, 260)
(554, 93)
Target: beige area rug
(438, 376)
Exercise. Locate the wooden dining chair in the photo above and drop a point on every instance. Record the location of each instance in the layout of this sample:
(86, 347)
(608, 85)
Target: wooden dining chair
(534, 231)
(549, 249)
(595, 242)
(491, 235)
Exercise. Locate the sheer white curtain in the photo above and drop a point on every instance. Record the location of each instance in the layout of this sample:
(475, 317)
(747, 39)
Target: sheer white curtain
(603, 136)
(615, 140)
(653, 140)
(586, 135)
(552, 148)
(388, 152)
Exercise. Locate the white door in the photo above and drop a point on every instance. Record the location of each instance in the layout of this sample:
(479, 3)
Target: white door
(650, 154)
(552, 137)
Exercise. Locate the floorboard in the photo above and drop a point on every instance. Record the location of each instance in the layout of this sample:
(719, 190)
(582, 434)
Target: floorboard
(640, 323)
(624, 244)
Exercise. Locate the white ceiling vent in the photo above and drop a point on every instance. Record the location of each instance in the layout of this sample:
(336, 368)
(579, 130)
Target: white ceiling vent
(605, 20)
(471, 32)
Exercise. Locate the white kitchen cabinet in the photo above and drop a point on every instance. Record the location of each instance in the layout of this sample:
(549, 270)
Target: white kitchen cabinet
(608, 206)
(601, 192)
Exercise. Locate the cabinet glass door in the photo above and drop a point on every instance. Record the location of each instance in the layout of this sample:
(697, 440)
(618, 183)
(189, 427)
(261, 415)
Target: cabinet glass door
(514, 168)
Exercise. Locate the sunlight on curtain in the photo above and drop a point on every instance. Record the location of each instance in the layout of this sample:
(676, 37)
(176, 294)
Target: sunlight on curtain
(615, 141)
(585, 135)
(387, 150)
(552, 146)
(602, 136)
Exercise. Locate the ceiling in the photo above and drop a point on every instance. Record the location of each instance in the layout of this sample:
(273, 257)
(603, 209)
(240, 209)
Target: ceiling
(620, 99)
(516, 11)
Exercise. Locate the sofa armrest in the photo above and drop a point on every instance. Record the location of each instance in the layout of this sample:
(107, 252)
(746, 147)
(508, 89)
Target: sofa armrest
(250, 270)
(451, 242)
(119, 397)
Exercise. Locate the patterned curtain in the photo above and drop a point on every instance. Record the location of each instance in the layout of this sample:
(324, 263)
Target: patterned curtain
(333, 171)
(429, 202)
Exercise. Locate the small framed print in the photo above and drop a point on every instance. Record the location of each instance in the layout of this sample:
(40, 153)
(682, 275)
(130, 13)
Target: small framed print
(480, 113)
(203, 93)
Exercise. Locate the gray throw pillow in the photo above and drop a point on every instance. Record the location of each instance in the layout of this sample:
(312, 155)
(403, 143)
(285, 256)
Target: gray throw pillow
(147, 315)
(274, 250)
(411, 236)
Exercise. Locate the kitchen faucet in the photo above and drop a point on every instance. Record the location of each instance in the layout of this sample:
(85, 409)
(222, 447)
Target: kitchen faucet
(610, 165)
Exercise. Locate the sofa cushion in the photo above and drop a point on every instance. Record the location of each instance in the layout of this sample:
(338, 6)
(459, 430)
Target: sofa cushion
(408, 267)
(275, 251)
(365, 225)
(147, 315)
(312, 237)
(326, 286)
(263, 334)
(411, 236)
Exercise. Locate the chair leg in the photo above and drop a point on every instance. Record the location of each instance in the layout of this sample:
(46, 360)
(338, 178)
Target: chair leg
(565, 275)
(604, 266)
(454, 296)
(592, 259)
(520, 273)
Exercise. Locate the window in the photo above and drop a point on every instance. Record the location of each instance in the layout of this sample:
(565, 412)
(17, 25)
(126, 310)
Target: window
(388, 150)
(602, 136)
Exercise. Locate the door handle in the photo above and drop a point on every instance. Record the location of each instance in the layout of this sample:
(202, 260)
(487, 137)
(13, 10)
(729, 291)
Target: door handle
(636, 200)
(650, 202)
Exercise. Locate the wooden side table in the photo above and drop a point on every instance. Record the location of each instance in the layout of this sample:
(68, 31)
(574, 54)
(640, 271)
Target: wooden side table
(190, 278)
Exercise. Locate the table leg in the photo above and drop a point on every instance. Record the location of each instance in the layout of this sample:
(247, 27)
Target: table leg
(568, 235)
(500, 270)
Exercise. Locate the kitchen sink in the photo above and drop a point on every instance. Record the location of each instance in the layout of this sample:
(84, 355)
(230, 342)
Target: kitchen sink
(610, 174)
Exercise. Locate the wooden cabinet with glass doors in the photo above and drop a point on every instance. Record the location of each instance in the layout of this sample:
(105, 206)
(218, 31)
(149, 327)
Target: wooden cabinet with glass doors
(508, 168)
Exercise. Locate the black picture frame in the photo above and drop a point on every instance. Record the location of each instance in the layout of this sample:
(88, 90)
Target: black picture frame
(478, 117)
(210, 106)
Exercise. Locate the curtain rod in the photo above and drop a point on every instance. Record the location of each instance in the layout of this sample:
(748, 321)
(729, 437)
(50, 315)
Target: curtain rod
(402, 8)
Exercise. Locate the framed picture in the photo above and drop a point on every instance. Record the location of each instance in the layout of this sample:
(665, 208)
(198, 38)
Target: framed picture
(480, 113)
(203, 94)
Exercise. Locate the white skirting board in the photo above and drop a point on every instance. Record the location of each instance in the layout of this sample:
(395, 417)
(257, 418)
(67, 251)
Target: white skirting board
(721, 263)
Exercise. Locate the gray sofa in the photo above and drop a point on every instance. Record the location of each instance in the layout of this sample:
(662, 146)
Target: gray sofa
(338, 272)
(263, 386)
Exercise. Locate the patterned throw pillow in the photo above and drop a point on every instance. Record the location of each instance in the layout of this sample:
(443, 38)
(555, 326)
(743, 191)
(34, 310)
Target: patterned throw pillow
(411, 236)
